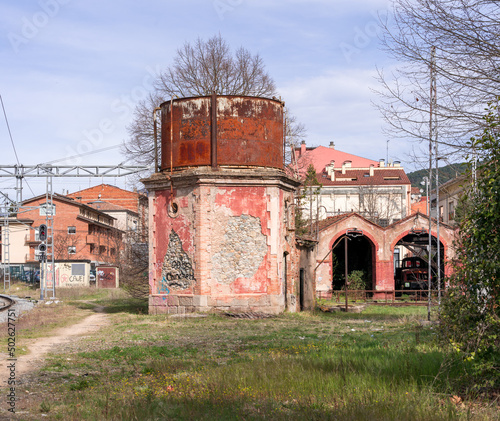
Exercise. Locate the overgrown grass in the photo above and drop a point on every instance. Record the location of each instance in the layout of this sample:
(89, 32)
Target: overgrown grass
(43, 319)
(376, 365)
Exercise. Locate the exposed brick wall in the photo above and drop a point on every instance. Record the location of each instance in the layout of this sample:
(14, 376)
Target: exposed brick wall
(136, 202)
(109, 193)
(67, 215)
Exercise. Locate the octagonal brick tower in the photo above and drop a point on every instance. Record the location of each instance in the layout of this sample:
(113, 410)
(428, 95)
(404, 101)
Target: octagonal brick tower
(221, 223)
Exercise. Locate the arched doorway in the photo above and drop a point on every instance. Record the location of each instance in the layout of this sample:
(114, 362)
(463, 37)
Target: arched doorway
(411, 261)
(360, 260)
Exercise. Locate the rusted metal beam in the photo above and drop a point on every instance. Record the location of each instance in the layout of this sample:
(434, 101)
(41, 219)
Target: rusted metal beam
(213, 133)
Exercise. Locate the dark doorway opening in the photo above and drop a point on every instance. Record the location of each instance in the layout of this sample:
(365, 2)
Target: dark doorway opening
(302, 280)
(360, 258)
(413, 247)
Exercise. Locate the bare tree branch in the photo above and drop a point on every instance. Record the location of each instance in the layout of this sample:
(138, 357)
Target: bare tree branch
(465, 34)
(199, 69)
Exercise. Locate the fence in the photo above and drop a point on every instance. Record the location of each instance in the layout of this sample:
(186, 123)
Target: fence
(409, 297)
(29, 273)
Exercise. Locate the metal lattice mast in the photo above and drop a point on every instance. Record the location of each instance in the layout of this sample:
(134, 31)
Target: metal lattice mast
(5, 249)
(42, 170)
(47, 280)
(47, 266)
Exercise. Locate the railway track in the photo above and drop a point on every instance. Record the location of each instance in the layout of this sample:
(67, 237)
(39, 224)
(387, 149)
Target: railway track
(6, 302)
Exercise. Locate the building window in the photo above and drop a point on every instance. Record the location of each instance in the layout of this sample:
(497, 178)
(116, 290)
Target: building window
(71, 249)
(451, 211)
(71, 230)
(383, 222)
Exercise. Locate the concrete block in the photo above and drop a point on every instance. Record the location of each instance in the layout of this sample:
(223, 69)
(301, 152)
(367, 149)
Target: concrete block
(185, 301)
(200, 301)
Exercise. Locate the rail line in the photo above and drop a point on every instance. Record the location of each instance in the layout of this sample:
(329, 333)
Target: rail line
(6, 302)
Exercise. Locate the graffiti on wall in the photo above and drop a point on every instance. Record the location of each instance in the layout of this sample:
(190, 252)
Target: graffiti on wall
(177, 270)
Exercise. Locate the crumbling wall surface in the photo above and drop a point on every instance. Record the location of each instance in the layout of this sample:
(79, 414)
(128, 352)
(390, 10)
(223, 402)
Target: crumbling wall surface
(307, 263)
(177, 268)
(241, 250)
(224, 249)
(173, 245)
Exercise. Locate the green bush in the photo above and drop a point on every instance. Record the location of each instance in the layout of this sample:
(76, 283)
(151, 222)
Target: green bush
(356, 280)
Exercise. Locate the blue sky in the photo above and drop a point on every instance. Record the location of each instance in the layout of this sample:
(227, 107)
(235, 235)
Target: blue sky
(72, 70)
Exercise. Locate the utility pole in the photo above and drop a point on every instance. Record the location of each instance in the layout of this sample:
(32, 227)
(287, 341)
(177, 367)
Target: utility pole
(432, 135)
(436, 157)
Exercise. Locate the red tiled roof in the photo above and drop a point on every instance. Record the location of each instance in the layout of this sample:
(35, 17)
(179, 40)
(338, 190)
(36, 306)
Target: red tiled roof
(325, 223)
(420, 206)
(106, 206)
(322, 156)
(361, 177)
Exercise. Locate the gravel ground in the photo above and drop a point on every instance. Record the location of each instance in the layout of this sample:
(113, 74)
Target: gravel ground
(21, 306)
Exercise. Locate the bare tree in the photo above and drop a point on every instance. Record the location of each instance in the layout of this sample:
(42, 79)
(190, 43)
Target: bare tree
(198, 69)
(63, 243)
(209, 66)
(379, 205)
(465, 36)
(134, 271)
(295, 133)
(139, 146)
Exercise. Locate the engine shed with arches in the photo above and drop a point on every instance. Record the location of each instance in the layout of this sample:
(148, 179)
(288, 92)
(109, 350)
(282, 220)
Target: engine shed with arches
(374, 249)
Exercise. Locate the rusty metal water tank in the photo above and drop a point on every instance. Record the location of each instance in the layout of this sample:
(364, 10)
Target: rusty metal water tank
(218, 130)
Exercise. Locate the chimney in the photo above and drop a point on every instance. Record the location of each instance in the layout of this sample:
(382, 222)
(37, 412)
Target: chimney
(397, 164)
(303, 148)
(332, 174)
(372, 170)
(332, 145)
(343, 168)
(348, 164)
(381, 163)
(330, 167)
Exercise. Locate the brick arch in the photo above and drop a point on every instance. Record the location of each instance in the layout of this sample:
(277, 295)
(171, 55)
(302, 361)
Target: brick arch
(330, 234)
(337, 230)
(403, 234)
(446, 236)
(343, 232)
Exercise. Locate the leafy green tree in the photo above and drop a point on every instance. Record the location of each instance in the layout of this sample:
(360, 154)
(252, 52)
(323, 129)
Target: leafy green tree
(470, 317)
(308, 194)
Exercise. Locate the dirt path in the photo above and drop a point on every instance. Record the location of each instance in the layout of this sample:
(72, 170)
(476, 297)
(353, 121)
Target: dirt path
(42, 346)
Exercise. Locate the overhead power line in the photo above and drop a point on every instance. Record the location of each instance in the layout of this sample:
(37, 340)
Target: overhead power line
(8, 128)
(12, 139)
